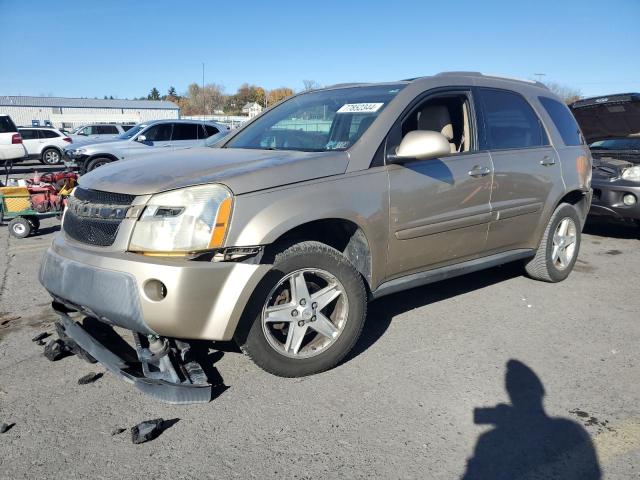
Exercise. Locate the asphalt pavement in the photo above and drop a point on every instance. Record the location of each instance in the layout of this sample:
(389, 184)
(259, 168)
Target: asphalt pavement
(487, 373)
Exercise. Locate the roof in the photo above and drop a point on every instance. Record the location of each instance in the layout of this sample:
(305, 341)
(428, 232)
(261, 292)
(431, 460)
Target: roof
(21, 101)
(609, 99)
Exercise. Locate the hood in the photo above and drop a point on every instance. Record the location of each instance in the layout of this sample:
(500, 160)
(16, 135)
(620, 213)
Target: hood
(242, 170)
(79, 140)
(613, 116)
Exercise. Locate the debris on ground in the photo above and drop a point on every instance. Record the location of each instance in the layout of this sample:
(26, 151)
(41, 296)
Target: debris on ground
(56, 349)
(117, 431)
(89, 378)
(5, 427)
(41, 336)
(150, 429)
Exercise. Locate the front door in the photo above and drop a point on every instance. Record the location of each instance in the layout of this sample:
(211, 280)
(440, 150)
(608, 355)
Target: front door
(439, 208)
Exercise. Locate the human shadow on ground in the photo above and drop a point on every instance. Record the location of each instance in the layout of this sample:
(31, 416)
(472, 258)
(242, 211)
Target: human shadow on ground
(525, 442)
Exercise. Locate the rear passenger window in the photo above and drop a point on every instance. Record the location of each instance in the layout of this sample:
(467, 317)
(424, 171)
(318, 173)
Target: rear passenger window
(563, 120)
(48, 134)
(107, 130)
(510, 122)
(185, 131)
(6, 125)
(210, 130)
(29, 134)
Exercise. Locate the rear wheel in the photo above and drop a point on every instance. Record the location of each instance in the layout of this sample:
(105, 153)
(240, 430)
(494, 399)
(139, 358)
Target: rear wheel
(313, 311)
(35, 223)
(20, 227)
(51, 156)
(558, 250)
(97, 162)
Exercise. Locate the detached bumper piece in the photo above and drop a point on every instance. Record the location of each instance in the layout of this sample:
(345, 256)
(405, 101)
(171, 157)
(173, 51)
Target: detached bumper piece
(160, 367)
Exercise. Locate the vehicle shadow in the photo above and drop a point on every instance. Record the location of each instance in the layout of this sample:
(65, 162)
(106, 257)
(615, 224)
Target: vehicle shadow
(382, 311)
(603, 227)
(525, 442)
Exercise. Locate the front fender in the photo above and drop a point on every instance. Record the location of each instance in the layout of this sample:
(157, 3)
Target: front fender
(362, 197)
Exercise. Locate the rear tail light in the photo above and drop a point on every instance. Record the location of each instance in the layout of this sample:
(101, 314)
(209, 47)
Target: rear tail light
(67, 139)
(16, 138)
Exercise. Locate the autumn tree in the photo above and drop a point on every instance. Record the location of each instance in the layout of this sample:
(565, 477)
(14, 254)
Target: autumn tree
(278, 94)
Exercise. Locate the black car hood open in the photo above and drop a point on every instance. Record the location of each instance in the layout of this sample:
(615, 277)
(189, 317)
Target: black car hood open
(612, 116)
(242, 170)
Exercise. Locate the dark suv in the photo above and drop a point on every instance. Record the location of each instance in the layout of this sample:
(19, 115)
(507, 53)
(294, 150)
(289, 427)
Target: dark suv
(611, 125)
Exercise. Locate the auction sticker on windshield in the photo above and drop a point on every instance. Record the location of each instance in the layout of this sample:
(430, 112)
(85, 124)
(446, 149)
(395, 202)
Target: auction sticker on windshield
(360, 108)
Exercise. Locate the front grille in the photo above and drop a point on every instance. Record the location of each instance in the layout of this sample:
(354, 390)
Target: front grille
(97, 196)
(93, 217)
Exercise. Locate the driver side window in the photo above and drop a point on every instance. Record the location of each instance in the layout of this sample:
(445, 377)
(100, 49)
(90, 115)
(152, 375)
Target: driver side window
(447, 114)
(158, 133)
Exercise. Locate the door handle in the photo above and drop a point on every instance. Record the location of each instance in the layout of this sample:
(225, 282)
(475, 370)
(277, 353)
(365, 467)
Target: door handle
(547, 161)
(479, 171)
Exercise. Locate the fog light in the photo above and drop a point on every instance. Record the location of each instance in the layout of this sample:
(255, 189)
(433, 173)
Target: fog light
(155, 290)
(629, 199)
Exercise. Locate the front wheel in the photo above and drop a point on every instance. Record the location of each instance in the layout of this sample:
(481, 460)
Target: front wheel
(313, 311)
(97, 162)
(51, 156)
(20, 227)
(559, 247)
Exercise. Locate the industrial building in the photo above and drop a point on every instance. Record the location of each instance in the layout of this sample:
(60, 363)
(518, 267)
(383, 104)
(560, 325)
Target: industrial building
(68, 113)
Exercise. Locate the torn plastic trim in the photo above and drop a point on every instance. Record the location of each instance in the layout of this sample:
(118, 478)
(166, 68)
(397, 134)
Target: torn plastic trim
(174, 392)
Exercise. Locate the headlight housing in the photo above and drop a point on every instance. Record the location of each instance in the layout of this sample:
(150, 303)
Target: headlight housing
(632, 173)
(183, 221)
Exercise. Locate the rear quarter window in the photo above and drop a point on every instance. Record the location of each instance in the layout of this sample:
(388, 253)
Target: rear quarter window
(7, 125)
(564, 121)
(49, 134)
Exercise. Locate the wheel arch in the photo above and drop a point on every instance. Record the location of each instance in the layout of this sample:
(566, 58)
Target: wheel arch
(344, 235)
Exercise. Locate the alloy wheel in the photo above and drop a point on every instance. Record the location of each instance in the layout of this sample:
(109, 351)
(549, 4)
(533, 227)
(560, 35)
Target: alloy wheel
(564, 243)
(305, 313)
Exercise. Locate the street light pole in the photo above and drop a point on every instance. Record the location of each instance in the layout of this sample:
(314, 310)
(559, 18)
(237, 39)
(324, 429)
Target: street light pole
(204, 101)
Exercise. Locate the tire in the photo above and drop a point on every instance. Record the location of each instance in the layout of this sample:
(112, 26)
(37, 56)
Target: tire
(20, 227)
(51, 156)
(317, 352)
(548, 266)
(96, 162)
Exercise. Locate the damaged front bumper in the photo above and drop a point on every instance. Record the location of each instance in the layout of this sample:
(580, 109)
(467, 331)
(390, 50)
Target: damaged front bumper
(164, 369)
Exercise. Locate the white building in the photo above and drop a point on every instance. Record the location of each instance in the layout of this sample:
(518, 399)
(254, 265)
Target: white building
(73, 112)
(252, 109)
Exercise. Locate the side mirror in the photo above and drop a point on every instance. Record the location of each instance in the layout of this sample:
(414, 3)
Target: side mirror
(420, 145)
(141, 139)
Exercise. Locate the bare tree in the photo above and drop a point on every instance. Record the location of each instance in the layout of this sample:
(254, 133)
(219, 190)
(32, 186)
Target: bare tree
(310, 85)
(566, 93)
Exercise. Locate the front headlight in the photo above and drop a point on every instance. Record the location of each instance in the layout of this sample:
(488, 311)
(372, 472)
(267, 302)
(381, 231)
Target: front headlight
(632, 173)
(182, 221)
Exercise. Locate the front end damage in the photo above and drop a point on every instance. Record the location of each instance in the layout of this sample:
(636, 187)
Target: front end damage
(164, 368)
(613, 195)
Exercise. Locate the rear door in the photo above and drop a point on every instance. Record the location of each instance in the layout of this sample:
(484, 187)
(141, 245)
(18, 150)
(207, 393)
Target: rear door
(526, 168)
(31, 141)
(186, 135)
(439, 208)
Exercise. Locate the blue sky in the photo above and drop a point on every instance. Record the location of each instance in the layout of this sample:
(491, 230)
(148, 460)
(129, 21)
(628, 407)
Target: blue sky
(95, 48)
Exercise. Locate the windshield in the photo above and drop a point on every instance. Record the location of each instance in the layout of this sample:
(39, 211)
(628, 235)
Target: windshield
(213, 140)
(317, 121)
(616, 144)
(131, 132)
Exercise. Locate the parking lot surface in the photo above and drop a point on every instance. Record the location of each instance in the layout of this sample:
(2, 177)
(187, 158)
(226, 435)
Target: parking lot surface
(402, 406)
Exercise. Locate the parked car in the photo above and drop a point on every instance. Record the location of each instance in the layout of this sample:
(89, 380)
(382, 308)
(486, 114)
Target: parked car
(11, 147)
(278, 237)
(100, 131)
(166, 134)
(611, 125)
(44, 143)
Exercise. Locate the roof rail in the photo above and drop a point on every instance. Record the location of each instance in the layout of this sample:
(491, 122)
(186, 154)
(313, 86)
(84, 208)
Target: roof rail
(503, 77)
